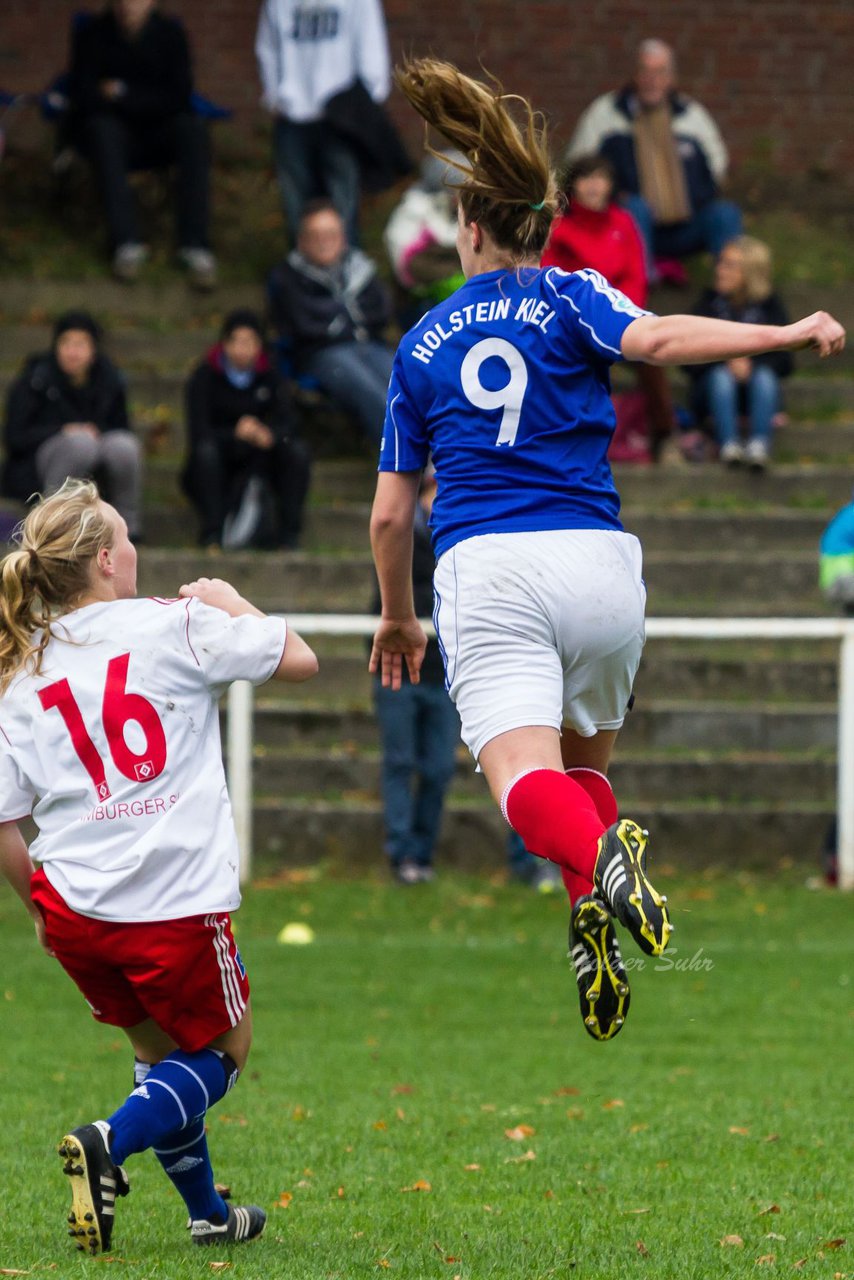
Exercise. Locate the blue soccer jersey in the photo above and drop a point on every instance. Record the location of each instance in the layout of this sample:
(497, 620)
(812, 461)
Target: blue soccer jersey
(507, 384)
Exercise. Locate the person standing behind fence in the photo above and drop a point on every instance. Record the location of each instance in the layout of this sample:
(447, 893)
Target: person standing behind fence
(67, 415)
(308, 53)
(109, 714)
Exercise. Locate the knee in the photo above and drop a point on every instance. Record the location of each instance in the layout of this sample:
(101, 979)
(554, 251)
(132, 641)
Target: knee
(121, 449)
(80, 454)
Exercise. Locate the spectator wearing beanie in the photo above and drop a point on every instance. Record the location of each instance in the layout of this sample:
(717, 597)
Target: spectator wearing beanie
(66, 415)
(240, 429)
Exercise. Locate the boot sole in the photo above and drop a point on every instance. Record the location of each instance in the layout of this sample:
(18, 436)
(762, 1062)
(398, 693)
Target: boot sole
(84, 1224)
(593, 923)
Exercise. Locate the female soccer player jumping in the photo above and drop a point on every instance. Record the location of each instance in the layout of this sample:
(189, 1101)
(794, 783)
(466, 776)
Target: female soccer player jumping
(539, 599)
(109, 737)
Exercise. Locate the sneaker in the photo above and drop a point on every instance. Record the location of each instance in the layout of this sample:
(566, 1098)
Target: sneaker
(200, 265)
(95, 1183)
(244, 1222)
(620, 880)
(127, 261)
(603, 986)
(756, 455)
(407, 872)
(732, 454)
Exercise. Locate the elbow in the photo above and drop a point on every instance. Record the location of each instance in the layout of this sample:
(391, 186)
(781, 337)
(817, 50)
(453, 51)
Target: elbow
(387, 523)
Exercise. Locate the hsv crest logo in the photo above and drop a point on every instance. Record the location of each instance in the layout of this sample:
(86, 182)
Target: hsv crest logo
(144, 771)
(103, 791)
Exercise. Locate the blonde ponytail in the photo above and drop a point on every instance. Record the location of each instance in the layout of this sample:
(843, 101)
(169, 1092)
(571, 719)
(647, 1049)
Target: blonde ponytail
(509, 188)
(48, 573)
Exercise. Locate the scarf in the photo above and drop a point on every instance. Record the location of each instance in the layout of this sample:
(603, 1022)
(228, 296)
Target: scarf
(662, 177)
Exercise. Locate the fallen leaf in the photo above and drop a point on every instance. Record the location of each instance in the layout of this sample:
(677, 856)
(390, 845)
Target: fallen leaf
(735, 1128)
(771, 1137)
(10, 1271)
(732, 1240)
(567, 1091)
(340, 1193)
(225, 1191)
(285, 1199)
(487, 1208)
(383, 1262)
(801, 1262)
(529, 1155)
(641, 1248)
(769, 1208)
(400, 1113)
(219, 1266)
(833, 1244)
(612, 1104)
(471, 1168)
(357, 1235)
(766, 1259)
(635, 1210)
(519, 1133)
(380, 1124)
(421, 1185)
(575, 1113)
(403, 1088)
(638, 1128)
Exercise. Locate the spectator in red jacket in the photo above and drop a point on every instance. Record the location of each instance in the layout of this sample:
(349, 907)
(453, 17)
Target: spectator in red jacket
(595, 232)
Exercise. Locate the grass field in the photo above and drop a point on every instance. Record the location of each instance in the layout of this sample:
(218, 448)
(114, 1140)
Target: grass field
(422, 1099)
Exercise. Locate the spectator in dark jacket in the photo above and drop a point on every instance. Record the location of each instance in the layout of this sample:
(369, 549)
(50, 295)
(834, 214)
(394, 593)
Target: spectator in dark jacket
(668, 155)
(742, 292)
(66, 416)
(131, 86)
(419, 730)
(330, 307)
(240, 428)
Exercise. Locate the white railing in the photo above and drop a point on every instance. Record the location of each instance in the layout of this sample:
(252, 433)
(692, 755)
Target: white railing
(240, 715)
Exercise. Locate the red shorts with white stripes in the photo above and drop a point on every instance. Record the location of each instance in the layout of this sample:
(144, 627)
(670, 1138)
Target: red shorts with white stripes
(185, 974)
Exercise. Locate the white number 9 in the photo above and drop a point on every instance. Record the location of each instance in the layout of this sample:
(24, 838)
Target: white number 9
(509, 397)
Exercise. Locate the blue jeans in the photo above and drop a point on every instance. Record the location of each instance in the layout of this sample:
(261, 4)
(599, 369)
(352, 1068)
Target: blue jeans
(724, 400)
(710, 229)
(356, 375)
(419, 732)
(312, 160)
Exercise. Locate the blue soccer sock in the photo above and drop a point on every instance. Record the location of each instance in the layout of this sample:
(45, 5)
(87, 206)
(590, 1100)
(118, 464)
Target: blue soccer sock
(175, 1092)
(187, 1165)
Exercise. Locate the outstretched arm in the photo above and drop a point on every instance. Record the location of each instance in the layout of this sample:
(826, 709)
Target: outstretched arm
(700, 340)
(399, 635)
(17, 867)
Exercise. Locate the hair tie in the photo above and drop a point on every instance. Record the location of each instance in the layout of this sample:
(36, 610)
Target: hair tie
(537, 207)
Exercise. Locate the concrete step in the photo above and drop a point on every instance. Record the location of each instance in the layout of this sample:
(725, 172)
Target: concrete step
(344, 678)
(671, 725)
(474, 837)
(303, 582)
(37, 302)
(738, 778)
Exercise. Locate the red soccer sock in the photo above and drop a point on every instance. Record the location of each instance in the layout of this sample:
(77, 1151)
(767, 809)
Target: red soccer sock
(599, 789)
(555, 817)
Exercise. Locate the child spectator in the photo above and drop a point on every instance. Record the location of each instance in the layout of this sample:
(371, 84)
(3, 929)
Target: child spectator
(421, 238)
(240, 429)
(66, 415)
(745, 385)
(595, 232)
(330, 307)
(131, 86)
(836, 560)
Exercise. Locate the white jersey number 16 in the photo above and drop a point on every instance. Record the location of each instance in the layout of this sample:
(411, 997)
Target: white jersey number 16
(509, 397)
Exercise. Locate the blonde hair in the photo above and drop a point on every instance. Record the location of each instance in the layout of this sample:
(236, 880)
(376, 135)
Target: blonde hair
(508, 187)
(756, 266)
(48, 573)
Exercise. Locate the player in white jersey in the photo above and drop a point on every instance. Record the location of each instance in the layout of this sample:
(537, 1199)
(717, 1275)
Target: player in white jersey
(109, 738)
(539, 599)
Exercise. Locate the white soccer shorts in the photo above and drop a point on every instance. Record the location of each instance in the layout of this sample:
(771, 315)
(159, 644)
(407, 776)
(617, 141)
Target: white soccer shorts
(540, 629)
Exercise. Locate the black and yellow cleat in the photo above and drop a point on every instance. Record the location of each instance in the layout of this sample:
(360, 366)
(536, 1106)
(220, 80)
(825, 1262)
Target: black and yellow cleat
(95, 1183)
(620, 879)
(603, 987)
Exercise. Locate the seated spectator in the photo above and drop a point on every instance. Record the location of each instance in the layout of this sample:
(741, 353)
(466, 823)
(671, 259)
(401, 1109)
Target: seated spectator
(130, 91)
(836, 560)
(331, 309)
(421, 238)
(595, 232)
(307, 56)
(67, 415)
(724, 392)
(419, 730)
(240, 430)
(668, 156)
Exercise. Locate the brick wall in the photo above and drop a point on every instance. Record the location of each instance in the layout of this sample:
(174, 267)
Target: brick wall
(775, 73)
